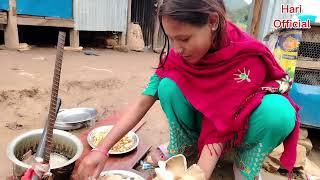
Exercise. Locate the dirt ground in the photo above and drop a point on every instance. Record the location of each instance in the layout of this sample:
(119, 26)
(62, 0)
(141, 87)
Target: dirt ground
(106, 82)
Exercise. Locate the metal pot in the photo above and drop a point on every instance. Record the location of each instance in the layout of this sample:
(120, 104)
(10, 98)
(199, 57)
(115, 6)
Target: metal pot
(64, 143)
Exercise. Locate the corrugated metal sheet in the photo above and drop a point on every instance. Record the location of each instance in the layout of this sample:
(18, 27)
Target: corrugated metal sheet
(101, 15)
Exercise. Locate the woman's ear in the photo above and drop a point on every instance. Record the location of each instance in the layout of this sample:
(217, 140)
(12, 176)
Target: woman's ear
(214, 21)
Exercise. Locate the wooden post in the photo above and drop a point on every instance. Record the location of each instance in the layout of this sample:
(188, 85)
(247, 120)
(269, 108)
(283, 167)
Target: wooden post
(11, 36)
(74, 34)
(123, 40)
(156, 29)
(74, 38)
(256, 16)
(124, 35)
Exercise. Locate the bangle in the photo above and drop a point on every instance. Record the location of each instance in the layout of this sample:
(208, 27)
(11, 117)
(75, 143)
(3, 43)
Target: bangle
(103, 151)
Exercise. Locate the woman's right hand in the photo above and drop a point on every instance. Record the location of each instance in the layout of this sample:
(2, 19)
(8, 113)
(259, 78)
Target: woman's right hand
(91, 166)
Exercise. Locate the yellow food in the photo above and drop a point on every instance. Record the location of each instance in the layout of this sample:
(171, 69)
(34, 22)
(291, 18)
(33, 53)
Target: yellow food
(123, 145)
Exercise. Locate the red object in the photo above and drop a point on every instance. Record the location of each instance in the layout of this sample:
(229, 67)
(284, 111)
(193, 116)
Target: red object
(213, 87)
(28, 174)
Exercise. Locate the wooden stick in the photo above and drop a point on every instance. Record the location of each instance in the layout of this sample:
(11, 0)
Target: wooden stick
(74, 38)
(256, 17)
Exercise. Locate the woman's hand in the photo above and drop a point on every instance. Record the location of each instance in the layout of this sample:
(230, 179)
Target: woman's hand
(91, 166)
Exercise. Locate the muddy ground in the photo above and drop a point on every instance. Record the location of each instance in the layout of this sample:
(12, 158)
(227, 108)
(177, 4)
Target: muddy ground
(106, 82)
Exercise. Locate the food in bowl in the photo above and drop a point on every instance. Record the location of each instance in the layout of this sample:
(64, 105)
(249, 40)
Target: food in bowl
(56, 160)
(111, 177)
(121, 146)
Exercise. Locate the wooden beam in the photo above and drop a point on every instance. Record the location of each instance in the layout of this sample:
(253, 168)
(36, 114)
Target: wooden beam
(156, 29)
(124, 35)
(11, 37)
(308, 64)
(3, 18)
(256, 16)
(42, 21)
(123, 38)
(74, 33)
(315, 24)
(74, 38)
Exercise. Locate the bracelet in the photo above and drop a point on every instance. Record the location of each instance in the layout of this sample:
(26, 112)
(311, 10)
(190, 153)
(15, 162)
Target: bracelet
(103, 151)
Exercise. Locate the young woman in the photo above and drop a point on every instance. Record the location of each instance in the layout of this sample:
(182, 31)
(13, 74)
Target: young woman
(219, 88)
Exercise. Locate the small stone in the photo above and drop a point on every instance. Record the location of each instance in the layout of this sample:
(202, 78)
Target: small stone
(121, 48)
(14, 126)
(23, 47)
(303, 133)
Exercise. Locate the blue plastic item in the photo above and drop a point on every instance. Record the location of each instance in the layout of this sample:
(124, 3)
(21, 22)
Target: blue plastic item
(49, 8)
(145, 165)
(306, 17)
(308, 98)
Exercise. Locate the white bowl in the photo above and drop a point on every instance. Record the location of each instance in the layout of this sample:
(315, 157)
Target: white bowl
(131, 135)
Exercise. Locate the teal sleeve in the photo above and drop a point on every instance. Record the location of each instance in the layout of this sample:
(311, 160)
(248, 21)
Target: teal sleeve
(152, 87)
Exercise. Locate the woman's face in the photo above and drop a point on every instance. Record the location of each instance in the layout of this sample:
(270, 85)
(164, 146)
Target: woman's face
(191, 42)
